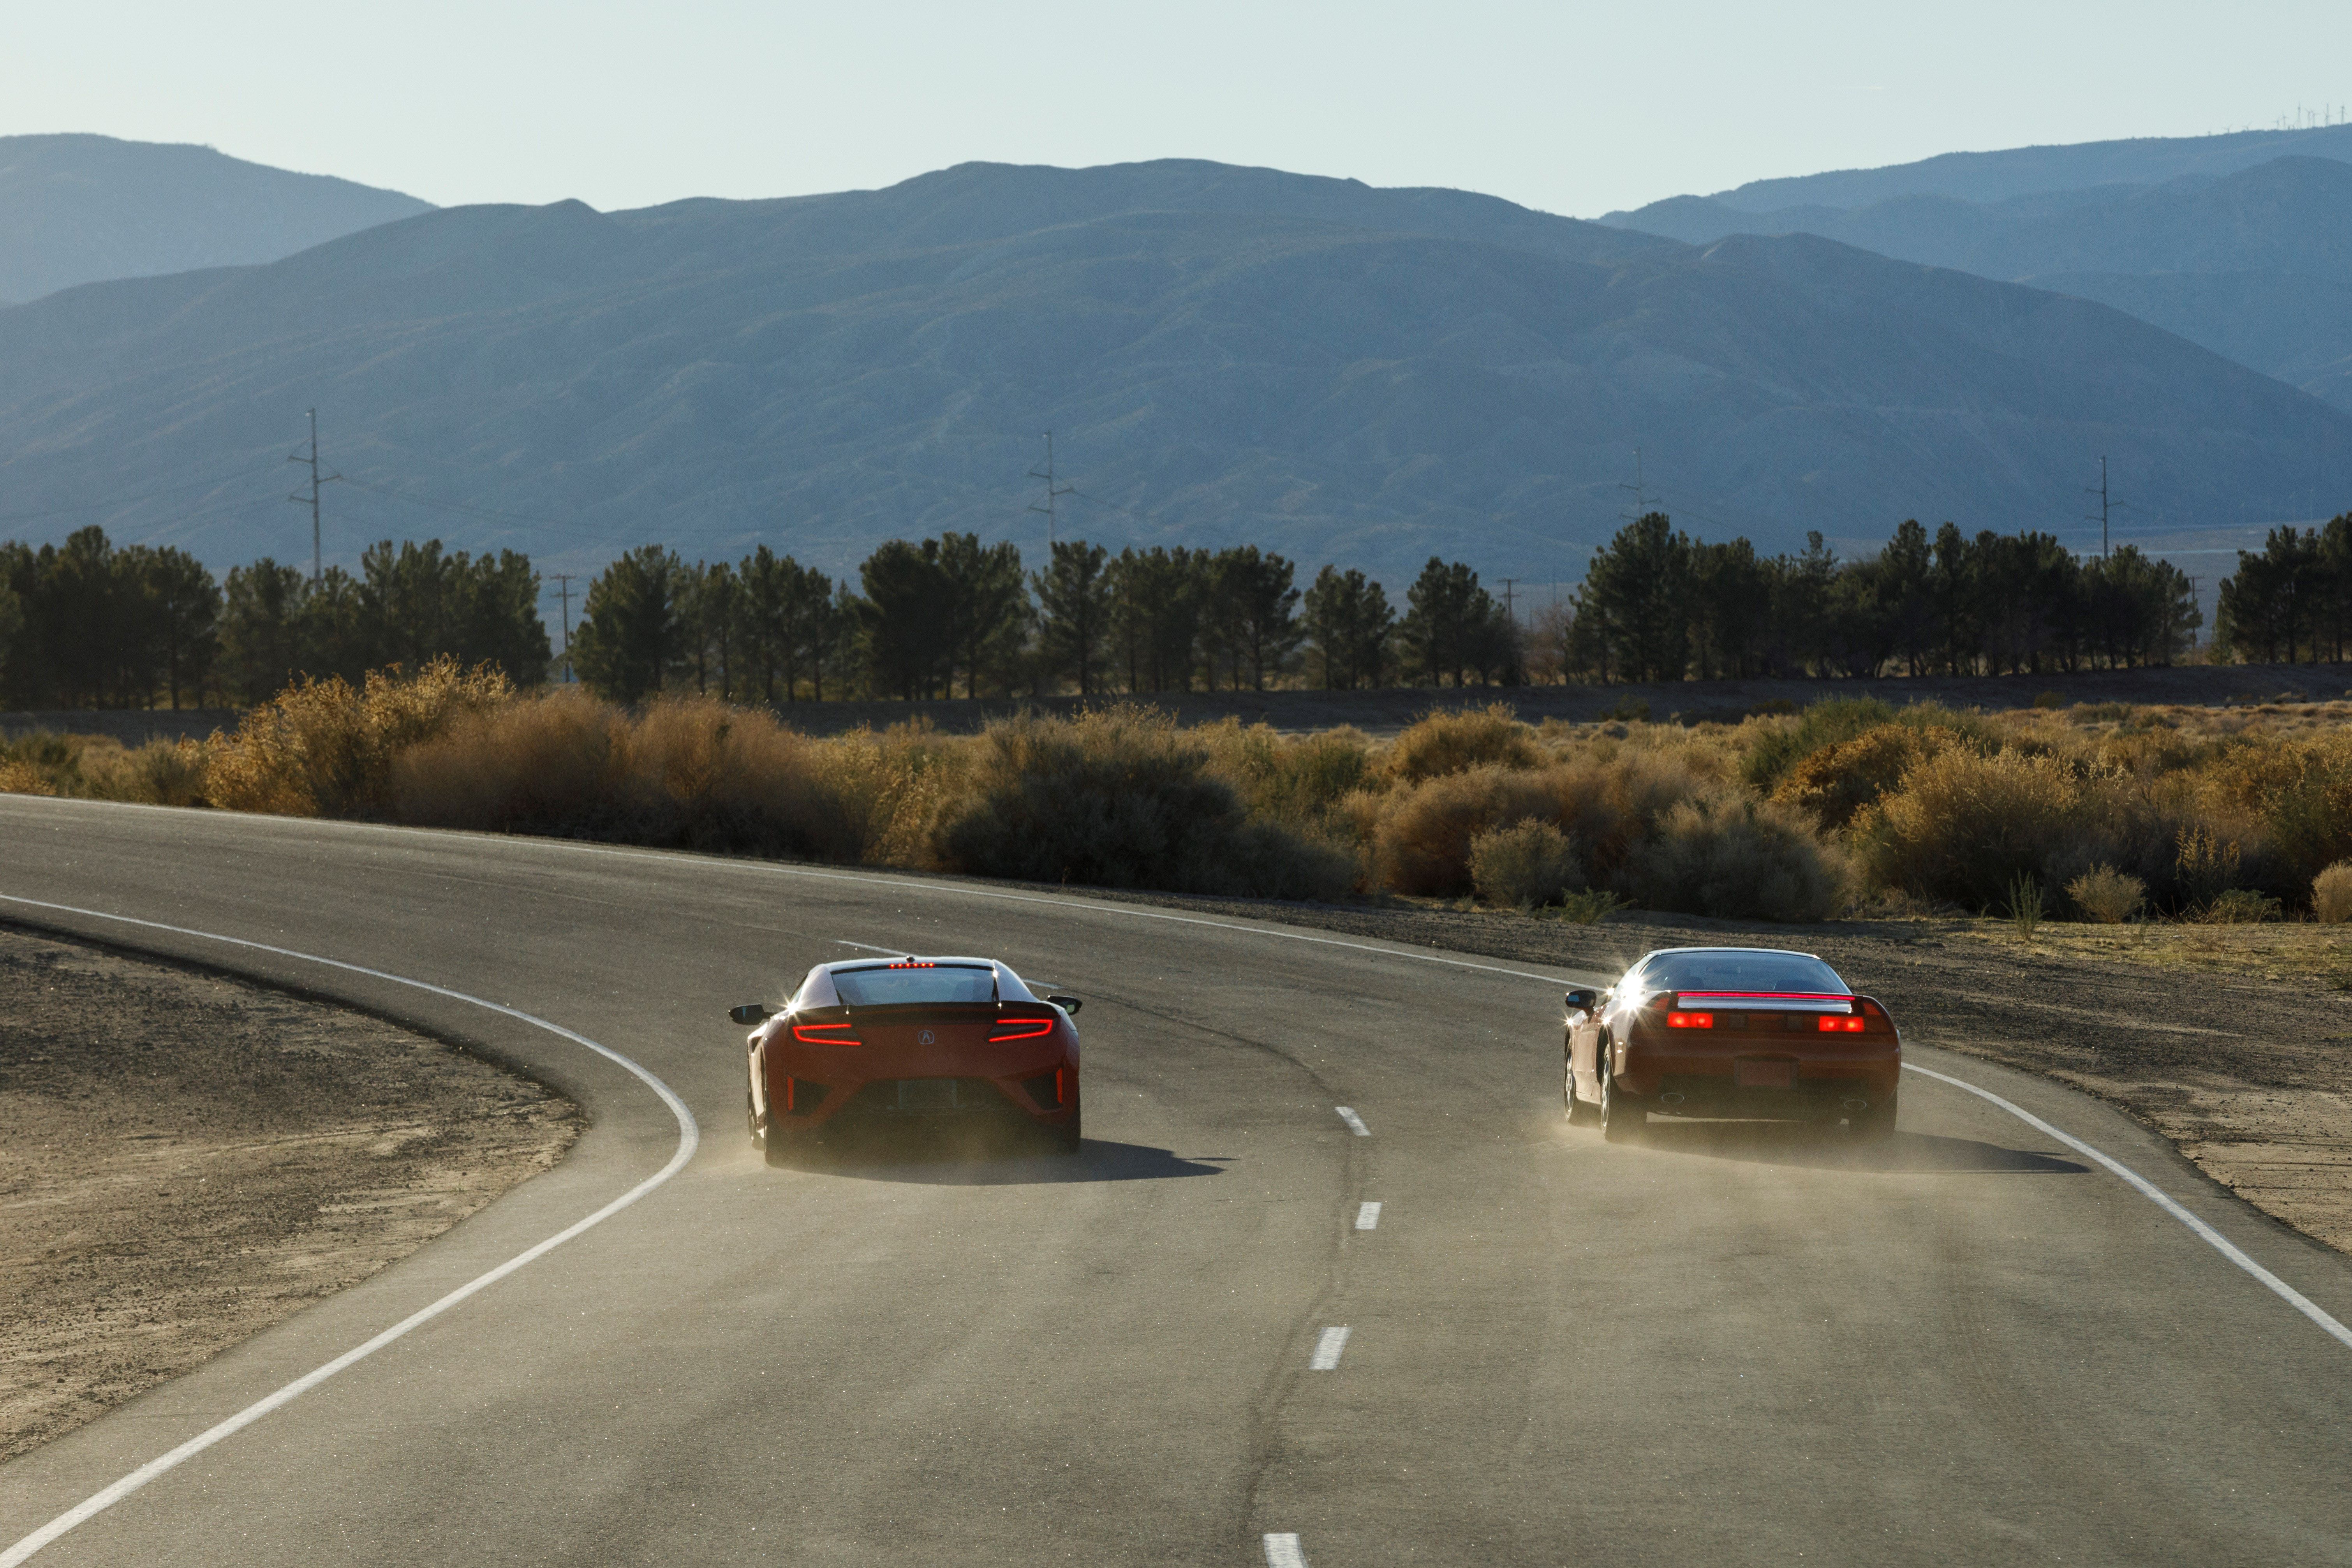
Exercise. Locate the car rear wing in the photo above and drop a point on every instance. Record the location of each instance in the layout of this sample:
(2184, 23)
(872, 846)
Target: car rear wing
(1763, 1001)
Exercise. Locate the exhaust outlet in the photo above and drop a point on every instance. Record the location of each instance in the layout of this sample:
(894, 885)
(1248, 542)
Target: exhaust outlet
(1675, 1097)
(1855, 1104)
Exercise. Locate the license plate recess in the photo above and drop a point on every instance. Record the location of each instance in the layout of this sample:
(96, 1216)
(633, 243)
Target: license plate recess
(1748, 1074)
(926, 1094)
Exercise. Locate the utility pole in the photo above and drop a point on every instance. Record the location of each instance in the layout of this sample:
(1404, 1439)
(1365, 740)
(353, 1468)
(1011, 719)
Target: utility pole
(2103, 504)
(563, 587)
(311, 459)
(1053, 493)
(1508, 613)
(1640, 497)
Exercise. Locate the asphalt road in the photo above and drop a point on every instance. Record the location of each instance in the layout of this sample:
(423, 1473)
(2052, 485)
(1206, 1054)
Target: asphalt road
(1723, 1346)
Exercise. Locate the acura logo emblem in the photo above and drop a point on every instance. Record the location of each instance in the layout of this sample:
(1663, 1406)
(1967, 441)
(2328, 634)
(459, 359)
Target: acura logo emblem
(924, 1038)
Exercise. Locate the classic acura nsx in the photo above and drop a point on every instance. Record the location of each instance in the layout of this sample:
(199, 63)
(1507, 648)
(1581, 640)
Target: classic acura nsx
(911, 1040)
(1730, 1032)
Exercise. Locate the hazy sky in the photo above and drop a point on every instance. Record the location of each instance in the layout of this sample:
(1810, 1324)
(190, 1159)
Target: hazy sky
(1571, 107)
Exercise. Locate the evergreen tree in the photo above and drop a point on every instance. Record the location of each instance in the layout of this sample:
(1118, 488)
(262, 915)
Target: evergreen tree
(1350, 626)
(1073, 596)
(907, 619)
(631, 636)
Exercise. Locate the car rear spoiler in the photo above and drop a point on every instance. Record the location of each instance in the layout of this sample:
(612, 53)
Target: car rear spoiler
(1764, 1001)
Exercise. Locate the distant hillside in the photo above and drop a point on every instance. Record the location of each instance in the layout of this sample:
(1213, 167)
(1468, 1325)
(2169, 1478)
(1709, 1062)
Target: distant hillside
(2255, 265)
(2027, 171)
(82, 209)
(1224, 355)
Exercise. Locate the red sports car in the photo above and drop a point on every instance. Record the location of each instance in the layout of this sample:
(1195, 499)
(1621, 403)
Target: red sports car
(1730, 1032)
(910, 1040)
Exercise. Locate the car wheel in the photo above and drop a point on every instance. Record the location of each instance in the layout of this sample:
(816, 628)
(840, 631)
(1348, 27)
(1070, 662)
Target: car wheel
(752, 1120)
(1064, 1137)
(1622, 1116)
(1875, 1125)
(784, 1144)
(1580, 1114)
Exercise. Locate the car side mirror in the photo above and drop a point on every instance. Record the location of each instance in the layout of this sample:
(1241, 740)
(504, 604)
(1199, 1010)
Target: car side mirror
(1069, 1005)
(750, 1013)
(1582, 1001)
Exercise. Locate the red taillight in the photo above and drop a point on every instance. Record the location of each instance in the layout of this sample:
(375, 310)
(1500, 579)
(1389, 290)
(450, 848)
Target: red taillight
(1830, 1026)
(825, 1035)
(1020, 1029)
(1690, 1020)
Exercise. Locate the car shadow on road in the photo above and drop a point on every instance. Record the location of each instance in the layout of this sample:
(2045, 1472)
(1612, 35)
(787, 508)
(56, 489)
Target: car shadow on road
(983, 1160)
(1816, 1147)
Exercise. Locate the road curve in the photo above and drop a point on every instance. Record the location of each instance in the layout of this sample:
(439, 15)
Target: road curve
(1721, 1346)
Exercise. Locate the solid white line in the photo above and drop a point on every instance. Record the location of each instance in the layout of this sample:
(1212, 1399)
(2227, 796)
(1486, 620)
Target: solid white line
(1368, 1217)
(1355, 1122)
(2163, 1200)
(1327, 1346)
(1282, 1552)
(689, 1135)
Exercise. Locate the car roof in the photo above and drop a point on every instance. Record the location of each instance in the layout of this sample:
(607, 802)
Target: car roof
(1785, 951)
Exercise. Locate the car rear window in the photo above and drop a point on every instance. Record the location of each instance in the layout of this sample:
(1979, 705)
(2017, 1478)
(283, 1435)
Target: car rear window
(893, 985)
(1735, 971)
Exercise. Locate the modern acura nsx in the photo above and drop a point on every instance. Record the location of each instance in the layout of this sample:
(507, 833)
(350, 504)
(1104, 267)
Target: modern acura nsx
(911, 1040)
(1730, 1032)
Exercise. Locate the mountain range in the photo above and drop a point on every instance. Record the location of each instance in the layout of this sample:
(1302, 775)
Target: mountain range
(2246, 249)
(1223, 355)
(81, 209)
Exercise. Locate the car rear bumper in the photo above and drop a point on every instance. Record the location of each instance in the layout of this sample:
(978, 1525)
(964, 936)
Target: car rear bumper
(1804, 1099)
(1733, 1076)
(813, 1086)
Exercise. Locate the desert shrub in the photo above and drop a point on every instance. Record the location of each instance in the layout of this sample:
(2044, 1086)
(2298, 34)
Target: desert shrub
(2049, 701)
(1591, 907)
(2027, 904)
(2300, 791)
(2240, 906)
(1298, 779)
(688, 772)
(1524, 865)
(1838, 782)
(544, 765)
(886, 792)
(321, 749)
(1963, 824)
(1455, 742)
(2331, 894)
(1120, 798)
(1421, 839)
(2108, 896)
(1780, 745)
(24, 778)
(1738, 858)
(2205, 867)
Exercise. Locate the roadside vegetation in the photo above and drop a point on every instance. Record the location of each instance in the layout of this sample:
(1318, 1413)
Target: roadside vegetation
(2106, 814)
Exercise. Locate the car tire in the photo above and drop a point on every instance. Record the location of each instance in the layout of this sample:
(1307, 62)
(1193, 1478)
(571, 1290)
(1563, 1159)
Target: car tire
(1579, 1113)
(1067, 1138)
(1875, 1125)
(1622, 1116)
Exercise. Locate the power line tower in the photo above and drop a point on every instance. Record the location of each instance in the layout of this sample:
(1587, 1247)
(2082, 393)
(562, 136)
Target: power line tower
(563, 588)
(311, 495)
(2101, 492)
(1641, 496)
(1054, 492)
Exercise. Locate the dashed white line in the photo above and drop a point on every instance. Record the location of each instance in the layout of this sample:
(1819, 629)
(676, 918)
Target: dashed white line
(689, 1135)
(1355, 1122)
(1368, 1217)
(1327, 1346)
(1282, 1552)
(2163, 1200)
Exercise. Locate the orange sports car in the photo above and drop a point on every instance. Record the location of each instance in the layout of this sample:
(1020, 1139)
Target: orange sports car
(1730, 1032)
(911, 1040)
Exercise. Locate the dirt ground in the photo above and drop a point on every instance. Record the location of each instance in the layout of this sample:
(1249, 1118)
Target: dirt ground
(2235, 1042)
(185, 1159)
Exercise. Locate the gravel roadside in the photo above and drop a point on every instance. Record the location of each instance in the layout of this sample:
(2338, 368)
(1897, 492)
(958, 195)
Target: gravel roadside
(185, 1159)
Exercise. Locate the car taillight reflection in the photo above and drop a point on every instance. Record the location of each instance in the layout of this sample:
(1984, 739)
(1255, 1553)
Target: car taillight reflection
(1690, 1020)
(1020, 1029)
(825, 1035)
